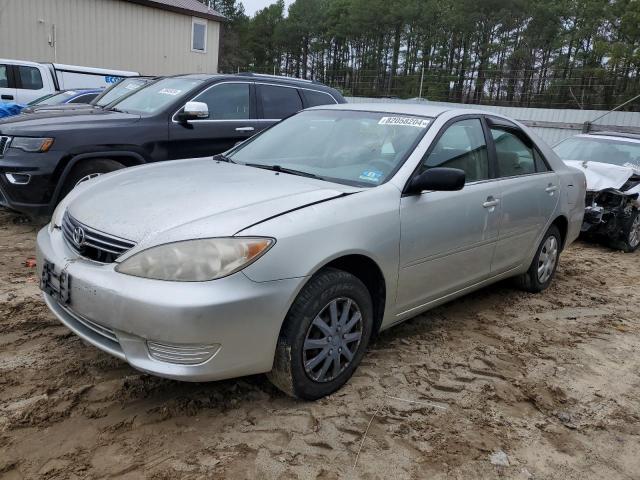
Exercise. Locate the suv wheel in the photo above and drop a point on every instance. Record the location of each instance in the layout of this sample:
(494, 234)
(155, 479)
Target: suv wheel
(86, 170)
(544, 264)
(630, 238)
(324, 336)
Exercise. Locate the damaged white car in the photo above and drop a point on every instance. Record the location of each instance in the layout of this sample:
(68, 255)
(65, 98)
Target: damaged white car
(611, 164)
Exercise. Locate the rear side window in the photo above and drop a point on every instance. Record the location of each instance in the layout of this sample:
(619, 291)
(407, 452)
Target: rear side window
(462, 146)
(30, 78)
(4, 76)
(279, 102)
(514, 156)
(227, 101)
(314, 98)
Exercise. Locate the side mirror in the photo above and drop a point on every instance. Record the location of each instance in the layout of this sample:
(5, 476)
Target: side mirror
(194, 111)
(439, 180)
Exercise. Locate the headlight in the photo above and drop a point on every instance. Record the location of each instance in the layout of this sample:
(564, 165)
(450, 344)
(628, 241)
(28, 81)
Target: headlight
(196, 260)
(29, 144)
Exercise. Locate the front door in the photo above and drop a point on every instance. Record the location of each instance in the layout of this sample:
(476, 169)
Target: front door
(232, 119)
(530, 193)
(448, 238)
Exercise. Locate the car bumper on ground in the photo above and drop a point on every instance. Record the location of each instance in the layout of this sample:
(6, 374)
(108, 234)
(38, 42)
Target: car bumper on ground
(193, 331)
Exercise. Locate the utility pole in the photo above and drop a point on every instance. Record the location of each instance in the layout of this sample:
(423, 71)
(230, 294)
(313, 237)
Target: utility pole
(421, 81)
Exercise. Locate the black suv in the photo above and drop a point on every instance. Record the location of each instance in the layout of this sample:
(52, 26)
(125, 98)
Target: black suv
(44, 155)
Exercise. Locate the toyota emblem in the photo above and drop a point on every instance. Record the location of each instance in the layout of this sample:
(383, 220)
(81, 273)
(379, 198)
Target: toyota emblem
(78, 236)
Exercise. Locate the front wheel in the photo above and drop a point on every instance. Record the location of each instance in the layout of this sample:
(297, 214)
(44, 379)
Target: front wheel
(86, 170)
(630, 238)
(324, 336)
(544, 264)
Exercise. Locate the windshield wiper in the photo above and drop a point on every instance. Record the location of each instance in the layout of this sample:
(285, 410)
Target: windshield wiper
(278, 168)
(222, 158)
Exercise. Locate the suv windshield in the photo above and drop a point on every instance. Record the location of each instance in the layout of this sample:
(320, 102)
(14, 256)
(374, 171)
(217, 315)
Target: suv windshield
(120, 89)
(55, 99)
(353, 148)
(592, 149)
(158, 95)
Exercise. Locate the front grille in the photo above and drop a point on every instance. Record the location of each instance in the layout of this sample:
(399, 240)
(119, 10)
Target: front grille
(91, 243)
(4, 144)
(182, 354)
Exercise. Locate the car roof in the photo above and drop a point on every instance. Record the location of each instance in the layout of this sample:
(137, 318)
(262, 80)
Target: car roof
(300, 82)
(634, 138)
(397, 108)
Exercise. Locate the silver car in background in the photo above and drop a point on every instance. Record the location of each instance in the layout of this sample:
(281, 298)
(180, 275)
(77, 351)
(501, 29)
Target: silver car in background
(287, 254)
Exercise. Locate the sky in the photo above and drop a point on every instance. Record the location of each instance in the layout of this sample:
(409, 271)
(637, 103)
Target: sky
(252, 6)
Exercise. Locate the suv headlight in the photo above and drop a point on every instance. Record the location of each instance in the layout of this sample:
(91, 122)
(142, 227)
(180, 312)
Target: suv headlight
(30, 144)
(196, 260)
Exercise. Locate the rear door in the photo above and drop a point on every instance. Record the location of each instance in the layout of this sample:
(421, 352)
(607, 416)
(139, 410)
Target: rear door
(529, 190)
(7, 84)
(232, 119)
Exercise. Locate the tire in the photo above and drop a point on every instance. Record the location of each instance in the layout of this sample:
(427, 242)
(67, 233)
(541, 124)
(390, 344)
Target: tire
(630, 239)
(87, 169)
(329, 286)
(533, 281)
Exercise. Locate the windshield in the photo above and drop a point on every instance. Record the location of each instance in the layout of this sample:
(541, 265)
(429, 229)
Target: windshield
(591, 149)
(57, 98)
(353, 148)
(120, 89)
(157, 96)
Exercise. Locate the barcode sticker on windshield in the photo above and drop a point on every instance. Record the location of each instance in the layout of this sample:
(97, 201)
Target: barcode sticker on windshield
(170, 91)
(405, 122)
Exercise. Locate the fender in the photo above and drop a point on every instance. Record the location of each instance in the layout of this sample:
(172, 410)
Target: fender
(84, 156)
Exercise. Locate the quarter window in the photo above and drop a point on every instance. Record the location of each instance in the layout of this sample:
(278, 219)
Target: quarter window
(279, 102)
(4, 76)
(513, 155)
(198, 35)
(30, 78)
(227, 101)
(461, 146)
(314, 98)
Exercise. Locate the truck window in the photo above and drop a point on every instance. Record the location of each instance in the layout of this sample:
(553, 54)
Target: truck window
(279, 102)
(4, 77)
(30, 78)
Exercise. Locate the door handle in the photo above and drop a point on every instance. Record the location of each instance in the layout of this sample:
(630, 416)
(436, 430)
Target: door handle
(245, 129)
(551, 188)
(491, 202)
(7, 97)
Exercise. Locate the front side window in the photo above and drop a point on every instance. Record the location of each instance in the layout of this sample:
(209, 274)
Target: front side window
(227, 101)
(30, 78)
(461, 146)
(353, 148)
(279, 102)
(4, 76)
(199, 35)
(513, 155)
(153, 98)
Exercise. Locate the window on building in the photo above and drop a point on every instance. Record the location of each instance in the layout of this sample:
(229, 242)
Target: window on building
(279, 102)
(30, 78)
(199, 35)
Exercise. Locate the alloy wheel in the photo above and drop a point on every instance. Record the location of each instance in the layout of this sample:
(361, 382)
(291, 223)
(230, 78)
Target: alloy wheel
(332, 340)
(547, 259)
(634, 234)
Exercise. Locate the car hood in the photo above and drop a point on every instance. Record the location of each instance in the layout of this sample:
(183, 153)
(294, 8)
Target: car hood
(195, 198)
(46, 121)
(601, 176)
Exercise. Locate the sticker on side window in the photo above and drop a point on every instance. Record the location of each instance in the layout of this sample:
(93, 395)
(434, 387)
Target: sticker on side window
(170, 91)
(405, 121)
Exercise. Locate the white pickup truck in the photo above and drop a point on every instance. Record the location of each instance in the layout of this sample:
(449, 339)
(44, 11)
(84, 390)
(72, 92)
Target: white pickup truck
(23, 82)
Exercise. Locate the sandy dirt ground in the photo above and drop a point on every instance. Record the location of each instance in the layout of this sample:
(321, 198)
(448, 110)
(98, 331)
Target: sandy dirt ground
(501, 384)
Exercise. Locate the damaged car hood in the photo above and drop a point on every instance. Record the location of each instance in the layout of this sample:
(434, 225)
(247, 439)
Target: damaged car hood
(601, 176)
(195, 198)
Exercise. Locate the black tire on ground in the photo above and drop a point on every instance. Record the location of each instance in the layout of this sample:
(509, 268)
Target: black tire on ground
(86, 168)
(531, 281)
(328, 286)
(627, 242)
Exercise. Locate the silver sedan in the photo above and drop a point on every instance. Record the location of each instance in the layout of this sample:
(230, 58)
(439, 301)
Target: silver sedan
(289, 253)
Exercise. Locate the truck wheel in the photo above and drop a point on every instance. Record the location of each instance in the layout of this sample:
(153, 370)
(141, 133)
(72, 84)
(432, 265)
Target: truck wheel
(544, 264)
(324, 336)
(87, 170)
(630, 238)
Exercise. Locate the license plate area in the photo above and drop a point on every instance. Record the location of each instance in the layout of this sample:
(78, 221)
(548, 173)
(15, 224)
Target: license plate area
(56, 285)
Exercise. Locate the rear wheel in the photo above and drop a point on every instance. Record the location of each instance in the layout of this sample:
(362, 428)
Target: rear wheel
(86, 170)
(630, 238)
(324, 336)
(544, 264)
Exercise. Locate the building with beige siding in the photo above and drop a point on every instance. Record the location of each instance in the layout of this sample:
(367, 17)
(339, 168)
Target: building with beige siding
(153, 37)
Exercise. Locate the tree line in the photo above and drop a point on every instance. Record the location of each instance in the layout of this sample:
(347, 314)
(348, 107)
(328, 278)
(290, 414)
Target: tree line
(531, 53)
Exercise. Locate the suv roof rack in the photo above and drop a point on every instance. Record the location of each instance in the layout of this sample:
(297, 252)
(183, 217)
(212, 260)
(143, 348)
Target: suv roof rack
(275, 77)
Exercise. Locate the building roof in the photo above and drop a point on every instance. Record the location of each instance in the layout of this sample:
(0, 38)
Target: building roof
(186, 7)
